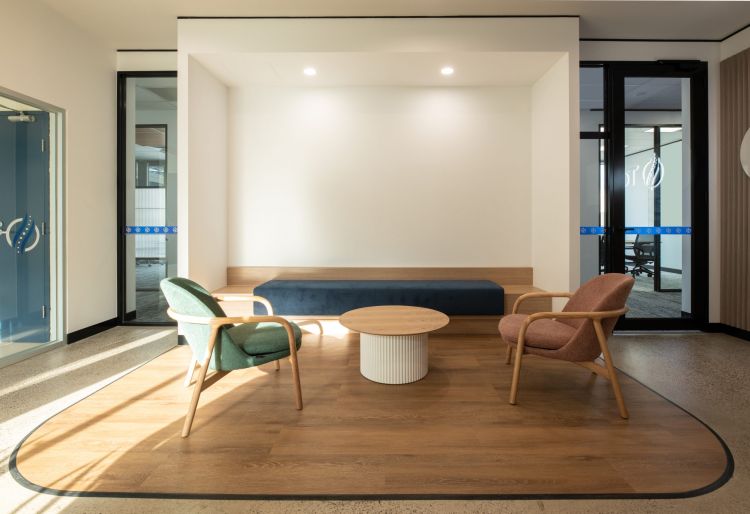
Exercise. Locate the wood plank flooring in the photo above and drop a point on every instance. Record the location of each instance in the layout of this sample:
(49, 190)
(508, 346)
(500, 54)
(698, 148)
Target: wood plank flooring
(452, 433)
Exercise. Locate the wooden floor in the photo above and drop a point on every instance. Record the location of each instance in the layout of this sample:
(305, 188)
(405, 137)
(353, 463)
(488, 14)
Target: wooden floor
(453, 433)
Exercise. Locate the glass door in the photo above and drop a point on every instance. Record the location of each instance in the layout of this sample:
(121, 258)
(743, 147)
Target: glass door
(28, 260)
(657, 227)
(651, 185)
(148, 193)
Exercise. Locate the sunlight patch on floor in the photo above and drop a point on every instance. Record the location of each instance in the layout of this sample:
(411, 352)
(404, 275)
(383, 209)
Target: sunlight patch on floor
(62, 370)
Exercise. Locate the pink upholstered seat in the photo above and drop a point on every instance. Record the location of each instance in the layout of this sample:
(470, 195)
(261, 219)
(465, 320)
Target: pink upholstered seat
(573, 339)
(578, 333)
(547, 334)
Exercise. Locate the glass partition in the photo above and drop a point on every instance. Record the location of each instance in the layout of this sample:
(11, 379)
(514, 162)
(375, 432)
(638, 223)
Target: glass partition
(150, 183)
(657, 186)
(643, 186)
(30, 260)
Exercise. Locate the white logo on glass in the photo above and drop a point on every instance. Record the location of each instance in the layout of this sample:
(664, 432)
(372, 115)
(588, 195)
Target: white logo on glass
(652, 173)
(9, 239)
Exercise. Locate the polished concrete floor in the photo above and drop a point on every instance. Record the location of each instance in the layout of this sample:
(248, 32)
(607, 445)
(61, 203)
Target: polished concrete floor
(705, 373)
(644, 302)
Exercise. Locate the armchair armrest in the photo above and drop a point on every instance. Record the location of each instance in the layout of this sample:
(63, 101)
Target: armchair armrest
(250, 298)
(595, 316)
(216, 322)
(599, 315)
(539, 294)
(219, 321)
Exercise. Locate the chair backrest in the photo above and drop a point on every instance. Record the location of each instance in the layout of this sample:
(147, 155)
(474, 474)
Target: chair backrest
(187, 297)
(645, 247)
(606, 292)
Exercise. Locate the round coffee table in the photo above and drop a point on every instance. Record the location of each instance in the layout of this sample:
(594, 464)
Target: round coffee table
(393, 341)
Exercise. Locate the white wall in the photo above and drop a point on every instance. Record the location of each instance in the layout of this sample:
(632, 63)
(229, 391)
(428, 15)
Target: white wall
(47, 58)
(146, 61)
(211, 37)
(710, 53)
(735, 44)
(377, 35)
(202, 188)
(554, 205)
(388, 176)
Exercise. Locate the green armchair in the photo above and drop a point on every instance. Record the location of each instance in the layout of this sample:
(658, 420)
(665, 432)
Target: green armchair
(228, 343)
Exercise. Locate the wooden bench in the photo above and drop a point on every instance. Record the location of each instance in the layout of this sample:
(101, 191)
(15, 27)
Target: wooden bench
(515, 282)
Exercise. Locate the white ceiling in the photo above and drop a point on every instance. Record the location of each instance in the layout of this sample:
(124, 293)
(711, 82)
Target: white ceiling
(378, 69)
(145, 24)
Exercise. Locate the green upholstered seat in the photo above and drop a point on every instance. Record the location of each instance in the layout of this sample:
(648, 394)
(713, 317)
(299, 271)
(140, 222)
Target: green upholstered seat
(263, 338)
(237, 347)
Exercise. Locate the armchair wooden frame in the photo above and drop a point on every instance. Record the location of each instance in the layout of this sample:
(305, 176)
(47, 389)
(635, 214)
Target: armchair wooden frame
(607, 371)
(219, 297)
(215, 323)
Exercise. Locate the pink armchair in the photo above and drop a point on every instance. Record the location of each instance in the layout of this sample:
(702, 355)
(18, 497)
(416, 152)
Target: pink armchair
(577, 334)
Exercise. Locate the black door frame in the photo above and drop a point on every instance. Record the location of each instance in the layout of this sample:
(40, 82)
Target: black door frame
(122, 78)
(614, 136)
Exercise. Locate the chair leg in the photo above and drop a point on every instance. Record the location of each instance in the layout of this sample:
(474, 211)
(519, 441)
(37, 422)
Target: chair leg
(190, 371)
(278, 366)
(508, 354)
(516, 372)
(198, 387)
(297, 386)
(610, 369)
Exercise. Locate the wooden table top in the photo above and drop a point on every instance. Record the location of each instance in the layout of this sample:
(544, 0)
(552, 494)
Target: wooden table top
(393, 320)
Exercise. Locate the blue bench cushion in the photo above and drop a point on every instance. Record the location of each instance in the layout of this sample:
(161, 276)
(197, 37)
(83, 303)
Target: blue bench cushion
(335, 297)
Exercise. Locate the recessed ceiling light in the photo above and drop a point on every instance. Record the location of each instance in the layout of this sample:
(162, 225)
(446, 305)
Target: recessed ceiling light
(310, 71)
(446, 70)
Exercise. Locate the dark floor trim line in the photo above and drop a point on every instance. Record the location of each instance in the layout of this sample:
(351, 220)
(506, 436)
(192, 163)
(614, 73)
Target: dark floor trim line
(723, 479)
(729, 330)
(83, 333)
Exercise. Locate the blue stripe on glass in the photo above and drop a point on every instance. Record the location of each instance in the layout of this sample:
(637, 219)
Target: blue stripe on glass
(150, 229)
(664, 231)
(659, 230)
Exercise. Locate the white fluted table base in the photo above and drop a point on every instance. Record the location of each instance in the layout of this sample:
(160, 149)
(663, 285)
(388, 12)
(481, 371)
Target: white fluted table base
(393, 359)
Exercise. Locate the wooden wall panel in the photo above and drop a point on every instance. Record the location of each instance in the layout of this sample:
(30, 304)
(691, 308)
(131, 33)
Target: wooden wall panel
(258, 274)
(735, 192)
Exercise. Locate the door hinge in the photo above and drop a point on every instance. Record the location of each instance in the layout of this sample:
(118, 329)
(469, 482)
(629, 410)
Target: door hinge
(44, 312)
(44, 228)
(44, 145)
